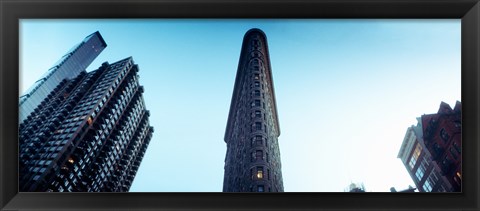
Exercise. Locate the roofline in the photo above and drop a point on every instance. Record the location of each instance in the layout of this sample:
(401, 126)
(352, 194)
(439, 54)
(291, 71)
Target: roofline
(97, 33)
(238, 78)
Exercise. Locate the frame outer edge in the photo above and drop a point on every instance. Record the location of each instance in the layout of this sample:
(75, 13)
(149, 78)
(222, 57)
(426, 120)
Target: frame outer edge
(471, 63)
(2, 157)
(471, 18)
(8, 176)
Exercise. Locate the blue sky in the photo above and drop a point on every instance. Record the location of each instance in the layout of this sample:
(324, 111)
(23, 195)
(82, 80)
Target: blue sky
(346, 90)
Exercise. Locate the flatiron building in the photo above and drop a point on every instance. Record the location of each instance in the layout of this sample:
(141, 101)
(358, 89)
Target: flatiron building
(88, 134)
(252, 162)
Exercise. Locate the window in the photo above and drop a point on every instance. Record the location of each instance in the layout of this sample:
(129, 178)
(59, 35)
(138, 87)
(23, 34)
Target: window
(258, 114)
(257, 93)
(261, 188)
(446, 162)
(258, 140)
(430, 182)
(260, 172)
(420, 171)
(438, 150)
(427, 187)
(256, 76)
(89, 120)
(257, 84)
(457, 148)
(258, 125)
(444, 135)
(416, 154)
(458, 124)
(256, 103)
(259, 155)
(453, 153)
(441, 189)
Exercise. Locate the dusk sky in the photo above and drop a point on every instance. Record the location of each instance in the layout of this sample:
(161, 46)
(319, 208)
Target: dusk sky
(346, 91)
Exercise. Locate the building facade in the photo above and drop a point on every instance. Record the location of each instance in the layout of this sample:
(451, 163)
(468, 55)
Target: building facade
(89, 134)
(252, 161)
(68, 67)
(420, 150)
(442, 135)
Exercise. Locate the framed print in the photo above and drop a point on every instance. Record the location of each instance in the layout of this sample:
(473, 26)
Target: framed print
(165, 105)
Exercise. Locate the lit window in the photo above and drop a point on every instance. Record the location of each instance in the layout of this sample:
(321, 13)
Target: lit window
(260, 172)
(416, 154)
(90, 120)
(459, 175)
(70, 160)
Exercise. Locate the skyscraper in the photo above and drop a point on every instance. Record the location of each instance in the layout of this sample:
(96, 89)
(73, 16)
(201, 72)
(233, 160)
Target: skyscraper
(252, 161)
(69, 66)
(89, 134)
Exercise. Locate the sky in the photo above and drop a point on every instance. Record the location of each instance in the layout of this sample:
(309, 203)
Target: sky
(346, 91)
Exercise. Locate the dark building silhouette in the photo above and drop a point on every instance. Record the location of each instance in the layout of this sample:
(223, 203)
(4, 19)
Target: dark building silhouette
(252, 162)
(442, 135)
(410, 189)
(88, 134)
(431, 150)
(356, 188)
(68, 67)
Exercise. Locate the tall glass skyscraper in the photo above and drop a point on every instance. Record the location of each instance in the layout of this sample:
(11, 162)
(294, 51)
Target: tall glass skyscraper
(86, 132)
(89, 134)
(69, 66)
(252, 162)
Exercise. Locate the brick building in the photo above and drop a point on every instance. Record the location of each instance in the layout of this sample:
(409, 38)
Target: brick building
(431, 150)
(442, 135)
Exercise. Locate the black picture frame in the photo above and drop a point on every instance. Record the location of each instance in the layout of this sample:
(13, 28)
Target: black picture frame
(12, 11)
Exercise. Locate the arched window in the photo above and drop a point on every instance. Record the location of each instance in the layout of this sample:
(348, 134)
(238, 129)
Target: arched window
(259, 155)
(259, 172)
